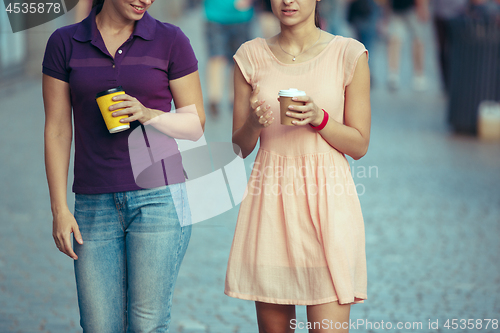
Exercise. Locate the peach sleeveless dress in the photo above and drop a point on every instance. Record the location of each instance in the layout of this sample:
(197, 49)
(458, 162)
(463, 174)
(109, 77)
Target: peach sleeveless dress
(299, 238)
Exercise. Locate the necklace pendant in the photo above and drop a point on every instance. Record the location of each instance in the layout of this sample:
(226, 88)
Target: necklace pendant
(293, 59)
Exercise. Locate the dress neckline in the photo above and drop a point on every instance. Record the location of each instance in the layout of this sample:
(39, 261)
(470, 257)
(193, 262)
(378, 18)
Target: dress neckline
(268, 49)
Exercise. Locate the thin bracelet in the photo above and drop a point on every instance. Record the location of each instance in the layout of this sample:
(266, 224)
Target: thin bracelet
(323, 123)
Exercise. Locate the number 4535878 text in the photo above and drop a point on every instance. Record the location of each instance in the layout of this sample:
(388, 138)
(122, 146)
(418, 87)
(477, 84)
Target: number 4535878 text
(33, 8)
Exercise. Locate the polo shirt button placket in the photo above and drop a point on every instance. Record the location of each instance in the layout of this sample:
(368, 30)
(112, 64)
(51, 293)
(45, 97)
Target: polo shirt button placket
(120, 51)
(115, 73)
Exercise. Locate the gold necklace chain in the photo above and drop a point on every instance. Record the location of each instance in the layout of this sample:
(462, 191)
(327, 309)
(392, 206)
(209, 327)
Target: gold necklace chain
(295, 56)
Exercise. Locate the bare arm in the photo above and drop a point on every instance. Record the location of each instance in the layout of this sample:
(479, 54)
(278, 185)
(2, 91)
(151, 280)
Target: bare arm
(352, 137)
(187, 123)
(422, 8)
(187, 91)
(58, 136)
(250, 114)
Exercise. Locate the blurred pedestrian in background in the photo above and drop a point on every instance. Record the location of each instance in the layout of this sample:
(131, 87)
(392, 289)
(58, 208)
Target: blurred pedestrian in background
(82, 10)
(228, 26)
(269, 24)
(445, 11)
(175, 9)
(192, 4)
(333, 16)
(412, 15)
(363, 16)
(484, 9)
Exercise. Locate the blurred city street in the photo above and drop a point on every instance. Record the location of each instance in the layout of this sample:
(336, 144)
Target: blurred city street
(430, 199)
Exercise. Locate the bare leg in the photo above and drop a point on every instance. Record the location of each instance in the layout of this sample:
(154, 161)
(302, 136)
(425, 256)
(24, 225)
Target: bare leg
(419, 81)
(393, 55)
(394, 49)
(332, 316)
(418, 57)
(274, 318)
(215, 75)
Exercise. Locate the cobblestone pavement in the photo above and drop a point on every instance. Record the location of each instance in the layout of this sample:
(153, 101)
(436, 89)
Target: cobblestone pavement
(430, 198)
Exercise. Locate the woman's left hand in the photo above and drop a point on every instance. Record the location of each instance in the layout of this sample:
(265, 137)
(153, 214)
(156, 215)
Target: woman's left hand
(131, 107)
(309, 113)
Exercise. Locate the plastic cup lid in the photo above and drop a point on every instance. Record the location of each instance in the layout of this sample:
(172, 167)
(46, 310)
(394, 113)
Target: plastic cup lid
(109, 91)
(292, 92)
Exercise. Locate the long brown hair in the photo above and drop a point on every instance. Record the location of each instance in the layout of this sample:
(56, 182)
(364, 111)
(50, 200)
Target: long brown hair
(97, 2)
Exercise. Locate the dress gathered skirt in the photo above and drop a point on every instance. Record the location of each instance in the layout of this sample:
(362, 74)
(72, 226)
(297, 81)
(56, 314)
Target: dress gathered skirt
(299, 237)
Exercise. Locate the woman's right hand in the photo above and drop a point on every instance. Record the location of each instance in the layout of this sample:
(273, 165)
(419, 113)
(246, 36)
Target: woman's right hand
(261, 116)
(64, 224)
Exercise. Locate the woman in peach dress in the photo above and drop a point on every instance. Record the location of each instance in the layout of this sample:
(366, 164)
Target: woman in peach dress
(299, 239)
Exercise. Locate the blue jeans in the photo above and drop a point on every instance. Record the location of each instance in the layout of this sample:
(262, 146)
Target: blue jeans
(128, 264)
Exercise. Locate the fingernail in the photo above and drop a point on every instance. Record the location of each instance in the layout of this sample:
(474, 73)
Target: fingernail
(270, 112)
(291, 107)
(294, 98)
(288, 113)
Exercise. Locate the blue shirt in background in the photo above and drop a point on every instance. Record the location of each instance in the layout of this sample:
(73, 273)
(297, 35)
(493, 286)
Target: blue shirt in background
(225, 12)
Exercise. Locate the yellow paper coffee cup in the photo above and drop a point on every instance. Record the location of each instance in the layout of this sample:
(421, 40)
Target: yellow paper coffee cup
(104, 100)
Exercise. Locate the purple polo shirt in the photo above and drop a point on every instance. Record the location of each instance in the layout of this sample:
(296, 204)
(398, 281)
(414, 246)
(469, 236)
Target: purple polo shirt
(154, 54)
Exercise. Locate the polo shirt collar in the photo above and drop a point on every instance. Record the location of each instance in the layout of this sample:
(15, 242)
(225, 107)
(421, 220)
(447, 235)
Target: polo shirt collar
(87, 29)
(145, 27)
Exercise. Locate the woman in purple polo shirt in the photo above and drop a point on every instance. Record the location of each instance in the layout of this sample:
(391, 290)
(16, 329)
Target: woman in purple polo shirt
(129, 241)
